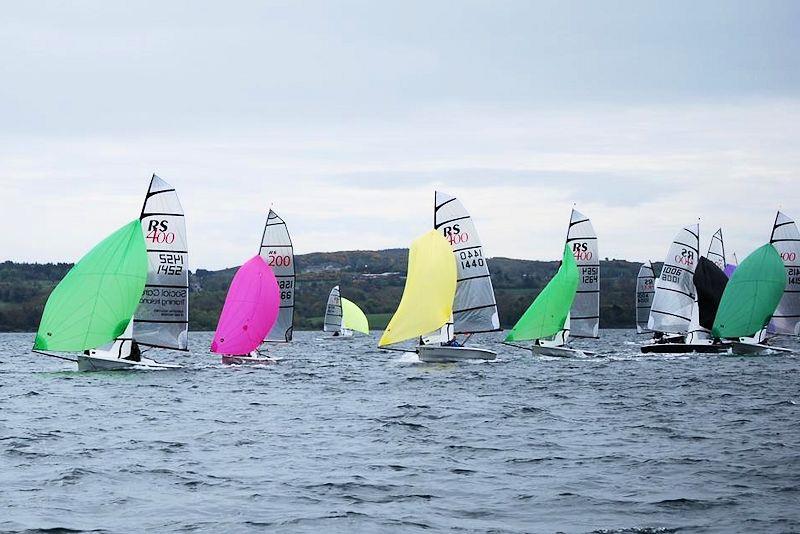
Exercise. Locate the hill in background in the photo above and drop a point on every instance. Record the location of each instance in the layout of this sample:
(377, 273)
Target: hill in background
(372, 279)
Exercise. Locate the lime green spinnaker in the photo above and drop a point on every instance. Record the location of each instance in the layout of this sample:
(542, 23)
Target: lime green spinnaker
(95, 301)
(353, 318)
(752, 294)
(546, 316)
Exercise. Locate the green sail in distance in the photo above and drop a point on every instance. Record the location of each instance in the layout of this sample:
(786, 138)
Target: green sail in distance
(96, 299)
(752, 294)
(548, 312)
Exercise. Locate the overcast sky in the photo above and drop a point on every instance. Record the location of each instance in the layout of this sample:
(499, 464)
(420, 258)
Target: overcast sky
(346, 116)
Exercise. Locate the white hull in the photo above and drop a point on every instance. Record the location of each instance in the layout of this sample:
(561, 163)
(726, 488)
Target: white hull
(98, 363)
(560, 352)
(756, 349)
(442, 353)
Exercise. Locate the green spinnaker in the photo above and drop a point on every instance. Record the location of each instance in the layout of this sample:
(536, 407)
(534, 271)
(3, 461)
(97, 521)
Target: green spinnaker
(353, 318)
(752, 294)
(548, 312)
(95, 301)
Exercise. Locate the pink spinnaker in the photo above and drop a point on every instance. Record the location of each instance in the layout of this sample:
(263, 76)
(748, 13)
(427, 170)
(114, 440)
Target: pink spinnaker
(250, 310)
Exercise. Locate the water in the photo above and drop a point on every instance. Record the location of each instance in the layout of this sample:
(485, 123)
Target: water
(341, 437)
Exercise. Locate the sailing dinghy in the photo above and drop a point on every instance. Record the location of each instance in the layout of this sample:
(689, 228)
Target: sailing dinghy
(750, 300)
(250, 311)
(549, 312)
(130, 291)
(470, 309)
(645, 288)
(343, 317)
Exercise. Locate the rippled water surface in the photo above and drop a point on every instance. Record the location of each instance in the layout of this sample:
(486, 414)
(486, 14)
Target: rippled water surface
(342, 437)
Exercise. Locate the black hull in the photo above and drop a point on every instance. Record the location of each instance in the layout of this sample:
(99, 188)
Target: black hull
(683, 348)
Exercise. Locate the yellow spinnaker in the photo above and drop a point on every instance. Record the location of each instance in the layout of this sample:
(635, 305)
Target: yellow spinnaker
(427, 301)
(352, 317)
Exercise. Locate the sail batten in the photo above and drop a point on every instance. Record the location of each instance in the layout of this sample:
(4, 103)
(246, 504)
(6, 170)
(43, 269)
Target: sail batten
(474, 308)
(278, 252)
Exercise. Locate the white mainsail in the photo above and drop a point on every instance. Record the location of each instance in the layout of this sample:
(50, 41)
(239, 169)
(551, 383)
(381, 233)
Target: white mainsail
(585, 311)
(716, 250)
(474, 306)
(645, 288)
(333, 312)
(277, 251)
(786, 239)
(673, 300)
(162, 318)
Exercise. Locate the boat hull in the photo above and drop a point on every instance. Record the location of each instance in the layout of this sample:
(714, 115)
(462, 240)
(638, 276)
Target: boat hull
(560, 352)
(444, 354)
(248, 360)
(96, 363)
(756, 349)
(684, 348)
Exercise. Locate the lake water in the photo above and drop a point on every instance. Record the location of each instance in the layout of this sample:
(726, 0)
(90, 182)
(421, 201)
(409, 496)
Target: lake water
(342, 437)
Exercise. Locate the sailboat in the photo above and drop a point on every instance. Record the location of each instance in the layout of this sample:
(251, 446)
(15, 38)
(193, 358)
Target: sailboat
(278, 252)
(129, 291)
(250, 311)
(645, 288)
(448, 290)
(549, 312)
(750, 300)
(343, 317)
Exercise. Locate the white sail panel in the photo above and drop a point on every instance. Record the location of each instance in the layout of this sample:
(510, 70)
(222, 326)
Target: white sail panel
(716, 250)
(474, 307)
(645, 288)
(696, 332)
(585, 311)
(277, 251)
(786, 239)
(674, 297)
(333, 312)
(162, 318)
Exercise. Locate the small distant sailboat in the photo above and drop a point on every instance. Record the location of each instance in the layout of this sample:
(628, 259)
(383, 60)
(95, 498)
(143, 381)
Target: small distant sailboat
(549, 312)
(343, 317)
(645, 289)
(250, 311)
(448, 290)
(130, 290)
(750, 299)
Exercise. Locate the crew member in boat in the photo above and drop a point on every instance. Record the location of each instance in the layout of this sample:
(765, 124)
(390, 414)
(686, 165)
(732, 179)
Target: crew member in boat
(136, 353)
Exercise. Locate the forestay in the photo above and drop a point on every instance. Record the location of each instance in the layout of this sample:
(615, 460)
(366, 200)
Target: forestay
(162, 318)
(585, 311)
(333, 312)
(674, 297)
(645, 288)
(716, 250)
(474, 308)
(277, 251)
(786, 240)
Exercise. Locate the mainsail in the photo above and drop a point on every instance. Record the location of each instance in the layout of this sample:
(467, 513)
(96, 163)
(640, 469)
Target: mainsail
(474, 308)
(674, 297)
(162, 318)
(333, 312)
(548, 312)
(353, 318)
(584, 320)
(752, 294)
(250, 309)
(716, 250)
(96, 299)
(645, 288)
(786, 240)
(277, 251)
(427, 301)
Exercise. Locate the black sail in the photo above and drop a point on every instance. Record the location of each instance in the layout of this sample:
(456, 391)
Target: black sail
(710, 281)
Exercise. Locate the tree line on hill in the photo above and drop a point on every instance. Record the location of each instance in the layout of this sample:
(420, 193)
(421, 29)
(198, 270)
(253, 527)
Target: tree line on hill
(372, 279)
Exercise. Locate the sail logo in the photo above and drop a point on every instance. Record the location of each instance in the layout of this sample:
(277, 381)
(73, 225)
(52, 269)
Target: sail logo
(157, 232)
(686, 257)
(581, 251)
(454, 235)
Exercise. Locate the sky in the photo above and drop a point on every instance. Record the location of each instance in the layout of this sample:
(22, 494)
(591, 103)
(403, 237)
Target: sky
(346, 116)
